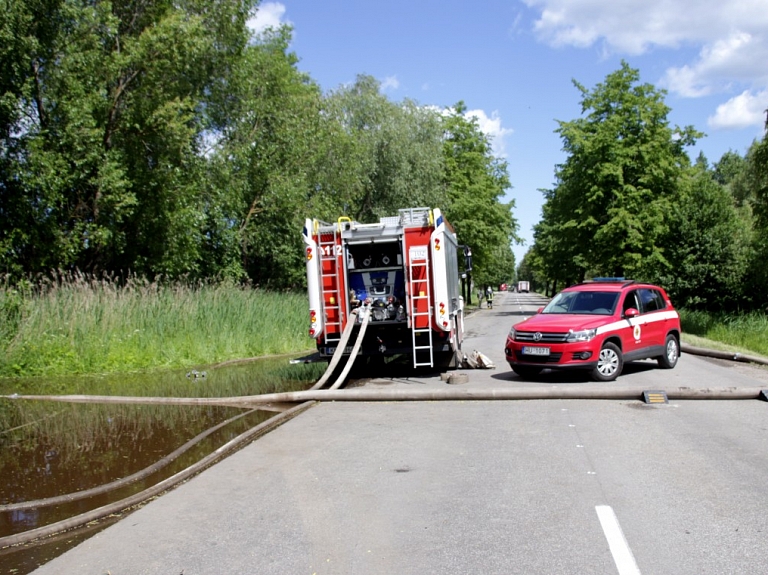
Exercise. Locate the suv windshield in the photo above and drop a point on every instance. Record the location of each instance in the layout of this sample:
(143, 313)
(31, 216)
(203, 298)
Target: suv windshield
(583, 302)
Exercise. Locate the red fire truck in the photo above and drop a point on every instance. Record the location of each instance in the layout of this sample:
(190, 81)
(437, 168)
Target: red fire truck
(399, 276)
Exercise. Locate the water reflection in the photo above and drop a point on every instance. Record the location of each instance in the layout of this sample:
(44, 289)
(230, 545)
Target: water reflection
(50, 449)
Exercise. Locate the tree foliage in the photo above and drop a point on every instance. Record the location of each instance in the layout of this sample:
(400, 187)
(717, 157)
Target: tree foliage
(476, 182)
(617, 184)
(755, 184)
(102, 110)
(628, 202)
(397, 151)
(266, 135)
(708, 245)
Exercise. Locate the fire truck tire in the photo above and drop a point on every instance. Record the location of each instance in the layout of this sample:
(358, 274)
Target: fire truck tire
(445, 360)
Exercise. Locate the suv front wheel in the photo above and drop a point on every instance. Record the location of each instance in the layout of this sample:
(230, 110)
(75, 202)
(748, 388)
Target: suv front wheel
(609, 363)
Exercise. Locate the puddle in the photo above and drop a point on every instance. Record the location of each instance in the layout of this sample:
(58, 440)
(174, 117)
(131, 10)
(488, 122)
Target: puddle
(49, 449)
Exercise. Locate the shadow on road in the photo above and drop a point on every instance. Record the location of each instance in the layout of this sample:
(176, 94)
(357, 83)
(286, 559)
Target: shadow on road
(562, 377)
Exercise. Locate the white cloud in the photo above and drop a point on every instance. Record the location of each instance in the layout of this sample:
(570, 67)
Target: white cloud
(742, 111)
(390, 83)
(491, 127)
(268, 15)
(732, 36)
(739, 57)
(635, 26)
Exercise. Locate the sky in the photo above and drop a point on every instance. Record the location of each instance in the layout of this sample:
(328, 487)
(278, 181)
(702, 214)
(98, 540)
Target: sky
(513, 64)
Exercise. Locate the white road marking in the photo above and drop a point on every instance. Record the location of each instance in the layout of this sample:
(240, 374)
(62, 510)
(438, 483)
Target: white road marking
(622, 554)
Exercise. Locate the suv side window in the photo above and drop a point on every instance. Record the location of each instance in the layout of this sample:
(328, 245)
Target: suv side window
(630, 300)
(651, 300)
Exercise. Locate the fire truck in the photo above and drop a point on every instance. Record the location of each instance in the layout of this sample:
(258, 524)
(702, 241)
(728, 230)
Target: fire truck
(392, 287)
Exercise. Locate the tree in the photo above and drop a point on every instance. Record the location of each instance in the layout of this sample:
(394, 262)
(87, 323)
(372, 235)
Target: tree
(267, 135)
(619, 180)
(475, 182)
(729, 172)
(707, 245)
(755, 182)
(102, 113)
(397, 151)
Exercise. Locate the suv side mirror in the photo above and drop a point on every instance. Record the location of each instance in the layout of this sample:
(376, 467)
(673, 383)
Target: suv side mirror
(541, 309)
(631, 312)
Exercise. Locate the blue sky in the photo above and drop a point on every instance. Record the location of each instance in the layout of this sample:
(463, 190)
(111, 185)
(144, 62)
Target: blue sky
(512, 62)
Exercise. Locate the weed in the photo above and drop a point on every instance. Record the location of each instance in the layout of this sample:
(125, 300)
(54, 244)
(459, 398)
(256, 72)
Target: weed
(82, 324)
(747, 331)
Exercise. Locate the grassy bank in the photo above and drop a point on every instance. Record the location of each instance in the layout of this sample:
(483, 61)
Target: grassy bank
(85, 325)
(746, 332)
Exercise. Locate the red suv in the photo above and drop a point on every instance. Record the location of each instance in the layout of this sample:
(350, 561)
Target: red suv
(597, 326)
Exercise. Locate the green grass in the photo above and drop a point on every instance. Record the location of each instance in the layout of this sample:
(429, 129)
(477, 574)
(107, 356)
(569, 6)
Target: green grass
(746, 333)
(86, 325)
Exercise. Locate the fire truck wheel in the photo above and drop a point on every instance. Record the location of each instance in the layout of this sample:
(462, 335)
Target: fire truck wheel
(445, 360)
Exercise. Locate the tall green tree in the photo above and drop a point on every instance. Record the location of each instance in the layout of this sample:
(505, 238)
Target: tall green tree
(397, 152)
(707, 245)
(269, 151)
(476, 182)
(620, 177)
(755, 183)
(102, 112)
(729, 172)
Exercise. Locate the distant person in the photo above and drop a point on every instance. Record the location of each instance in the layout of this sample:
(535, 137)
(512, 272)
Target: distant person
(489, 296)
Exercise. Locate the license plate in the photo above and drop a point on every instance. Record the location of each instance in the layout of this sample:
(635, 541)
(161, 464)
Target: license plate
(535, 350)
(348, 349)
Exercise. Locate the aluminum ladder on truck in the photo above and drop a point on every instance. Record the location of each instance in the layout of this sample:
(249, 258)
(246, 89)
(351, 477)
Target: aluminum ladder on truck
(418, 280)
(330, 282)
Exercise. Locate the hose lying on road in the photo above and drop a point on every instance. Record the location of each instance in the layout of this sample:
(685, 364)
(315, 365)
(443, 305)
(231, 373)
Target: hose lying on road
(158, 488)
(730, 355)
(519, 393)
(436, 394)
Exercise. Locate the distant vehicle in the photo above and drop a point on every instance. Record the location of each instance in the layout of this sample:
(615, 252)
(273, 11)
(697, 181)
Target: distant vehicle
(503, 287)
(523, 287)
(597, 326)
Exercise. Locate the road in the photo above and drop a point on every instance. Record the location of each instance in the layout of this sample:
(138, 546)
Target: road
(552, 487)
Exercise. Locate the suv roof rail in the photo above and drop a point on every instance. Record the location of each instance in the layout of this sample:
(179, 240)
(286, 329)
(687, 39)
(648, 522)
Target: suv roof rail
(623, 281)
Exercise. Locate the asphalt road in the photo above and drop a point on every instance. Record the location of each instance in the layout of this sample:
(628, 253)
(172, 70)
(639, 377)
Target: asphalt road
(551, 487)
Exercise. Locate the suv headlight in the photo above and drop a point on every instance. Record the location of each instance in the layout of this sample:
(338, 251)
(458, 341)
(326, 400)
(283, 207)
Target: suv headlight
(512, 333)
(581, 335)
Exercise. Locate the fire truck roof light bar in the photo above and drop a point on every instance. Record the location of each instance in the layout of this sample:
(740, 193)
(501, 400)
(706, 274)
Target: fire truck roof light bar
(356, 226)
(371, 241)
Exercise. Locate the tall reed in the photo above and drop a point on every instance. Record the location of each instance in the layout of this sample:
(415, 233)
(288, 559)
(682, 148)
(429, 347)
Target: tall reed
(80, 324)
(746, 331)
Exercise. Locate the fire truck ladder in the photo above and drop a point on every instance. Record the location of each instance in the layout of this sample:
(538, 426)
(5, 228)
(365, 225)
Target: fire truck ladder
(331, 274)
(420, 292)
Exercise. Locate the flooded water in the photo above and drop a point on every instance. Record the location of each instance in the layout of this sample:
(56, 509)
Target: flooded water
(50, 449)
